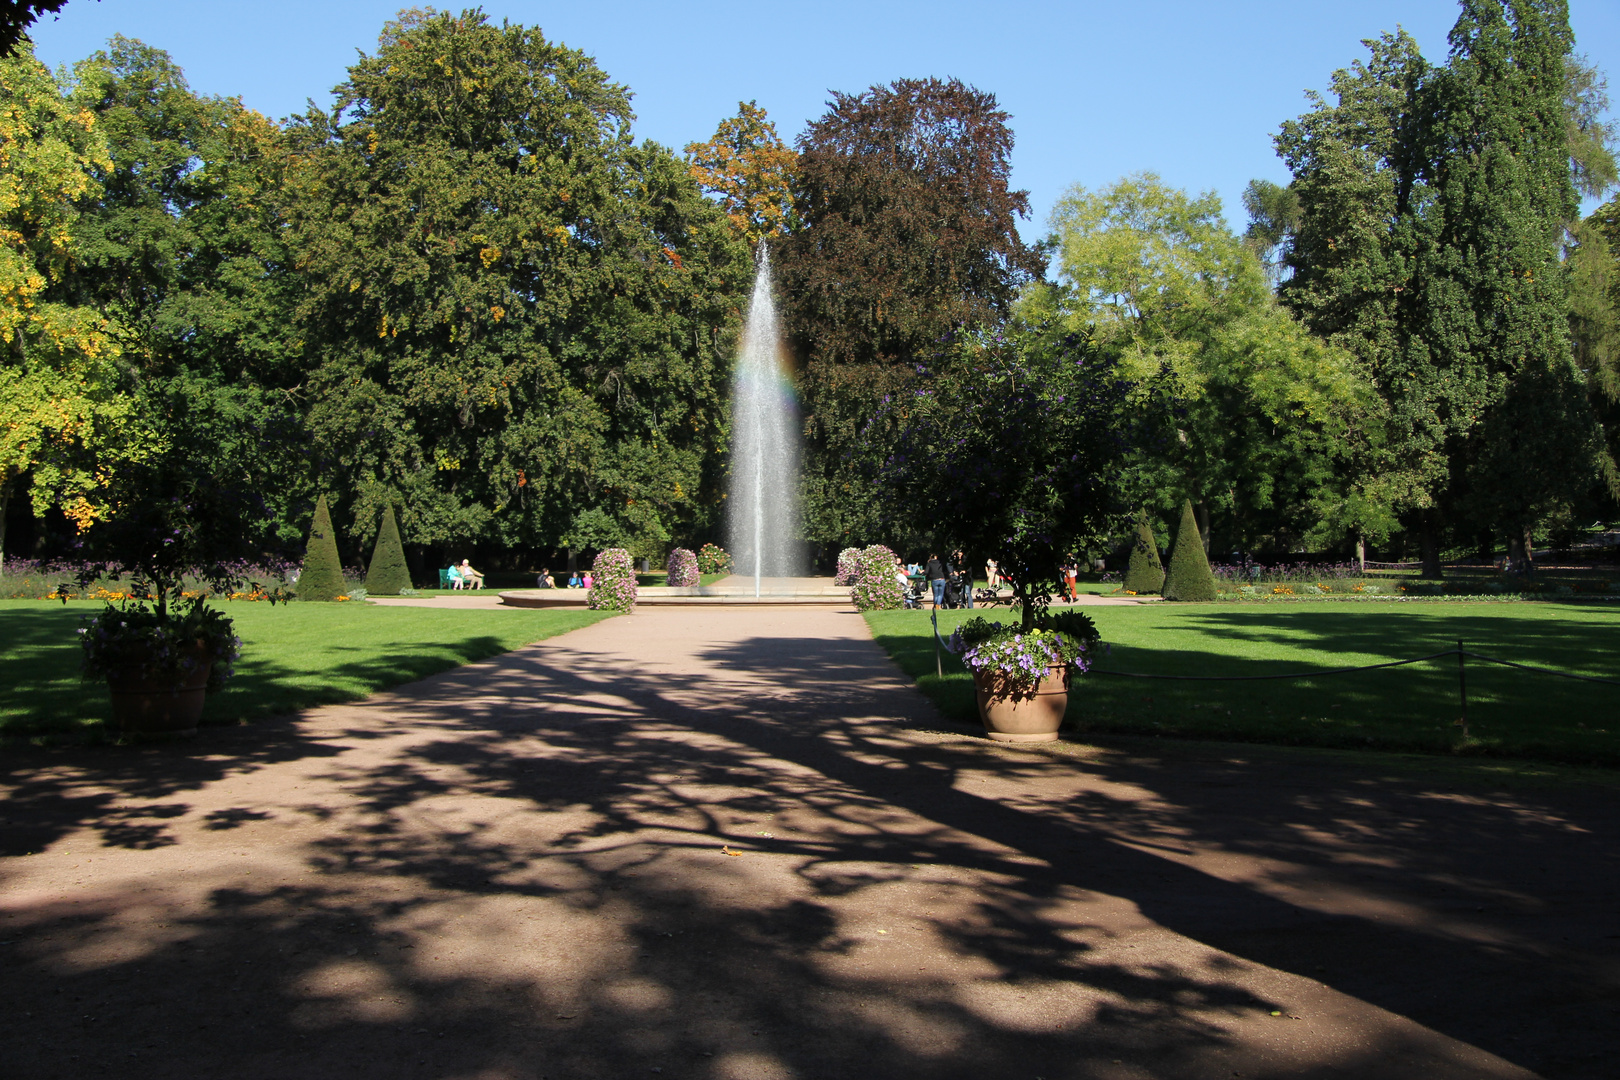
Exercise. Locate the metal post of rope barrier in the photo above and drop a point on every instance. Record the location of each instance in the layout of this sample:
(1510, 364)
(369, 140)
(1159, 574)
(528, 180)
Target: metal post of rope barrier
(939, 665)
(1462, 687)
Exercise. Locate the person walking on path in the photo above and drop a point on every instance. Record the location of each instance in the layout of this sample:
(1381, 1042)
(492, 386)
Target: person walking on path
(1071, 574)
(937, 574)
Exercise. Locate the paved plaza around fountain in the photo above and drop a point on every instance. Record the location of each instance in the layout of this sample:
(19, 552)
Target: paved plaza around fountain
(730, 843)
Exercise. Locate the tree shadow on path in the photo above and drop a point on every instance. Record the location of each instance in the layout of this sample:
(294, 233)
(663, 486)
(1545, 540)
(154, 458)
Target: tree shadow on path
(516, 869)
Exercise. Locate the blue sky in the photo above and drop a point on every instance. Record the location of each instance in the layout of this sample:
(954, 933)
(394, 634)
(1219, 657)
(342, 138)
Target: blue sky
(1192, 91)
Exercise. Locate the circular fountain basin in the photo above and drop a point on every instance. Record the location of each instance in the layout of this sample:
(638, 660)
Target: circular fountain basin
(737, 590)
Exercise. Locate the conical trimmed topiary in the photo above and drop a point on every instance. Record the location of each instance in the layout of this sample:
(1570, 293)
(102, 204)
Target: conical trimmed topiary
(1145, 574)
(322, 575)
(1189, 577)
(388, 575)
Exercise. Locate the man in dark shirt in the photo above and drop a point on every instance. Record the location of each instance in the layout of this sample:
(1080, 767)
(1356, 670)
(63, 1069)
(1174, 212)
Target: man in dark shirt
(936, 577)
(967, 577)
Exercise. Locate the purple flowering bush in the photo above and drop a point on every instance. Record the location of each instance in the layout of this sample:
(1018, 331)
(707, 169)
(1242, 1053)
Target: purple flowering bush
(848, 560)
(683, 568)
(713, 559)
(875, 587)
(613, 586)
(1022, 658)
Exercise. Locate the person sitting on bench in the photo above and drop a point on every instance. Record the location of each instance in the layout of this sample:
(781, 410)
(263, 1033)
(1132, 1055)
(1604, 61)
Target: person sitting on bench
(470, 578)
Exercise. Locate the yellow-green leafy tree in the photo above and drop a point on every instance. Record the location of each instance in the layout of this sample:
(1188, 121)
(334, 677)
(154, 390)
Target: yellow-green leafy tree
(1266, 412)
(60, 405)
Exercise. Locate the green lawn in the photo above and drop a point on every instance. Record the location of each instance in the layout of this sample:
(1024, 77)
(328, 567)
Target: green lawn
(1414, 708)
(293, 655)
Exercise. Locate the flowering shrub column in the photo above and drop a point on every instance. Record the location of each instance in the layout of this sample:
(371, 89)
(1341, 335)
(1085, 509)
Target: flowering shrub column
(614, 582)
(876, 588)
(847, 561)
(683, 568)
(713, 559)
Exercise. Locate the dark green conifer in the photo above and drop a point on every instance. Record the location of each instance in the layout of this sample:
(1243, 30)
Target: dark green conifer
(1189, 577)
(322, 575)
(388, 575)
(1145, 574)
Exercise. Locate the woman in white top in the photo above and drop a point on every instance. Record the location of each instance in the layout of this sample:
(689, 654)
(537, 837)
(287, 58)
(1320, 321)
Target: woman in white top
(992, 578)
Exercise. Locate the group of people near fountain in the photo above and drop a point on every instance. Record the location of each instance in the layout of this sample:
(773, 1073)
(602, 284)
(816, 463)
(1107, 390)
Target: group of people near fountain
(951, 581)
(576, 580)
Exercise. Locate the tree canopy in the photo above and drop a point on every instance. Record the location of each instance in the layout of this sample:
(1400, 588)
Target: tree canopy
(751, 171)
(62, 405)
(461, 287)
(907, 236)
(1433, 207)
(517, 315)
(1265, 412)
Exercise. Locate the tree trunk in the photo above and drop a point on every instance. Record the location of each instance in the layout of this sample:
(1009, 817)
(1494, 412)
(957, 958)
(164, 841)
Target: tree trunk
(1431, 546)
(1201, 515)
(573, 561)
(1361, 553)
(1521, 557)
(5, 504)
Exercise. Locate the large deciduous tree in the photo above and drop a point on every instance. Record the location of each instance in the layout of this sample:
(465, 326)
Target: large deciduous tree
(183, 245)
(907, 237)
(518, 319)
(1266, 411)
(1503, 182)
(1359, 163)
(1433, 203)
(62, 407)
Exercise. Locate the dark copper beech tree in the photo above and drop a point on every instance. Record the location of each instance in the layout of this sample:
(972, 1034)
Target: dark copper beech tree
(908, 235)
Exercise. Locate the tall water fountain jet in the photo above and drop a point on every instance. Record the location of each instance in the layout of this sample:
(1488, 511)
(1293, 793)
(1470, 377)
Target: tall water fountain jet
(763, 504)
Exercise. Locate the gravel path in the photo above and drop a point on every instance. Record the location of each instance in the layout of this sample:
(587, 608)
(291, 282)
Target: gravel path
(736, 844)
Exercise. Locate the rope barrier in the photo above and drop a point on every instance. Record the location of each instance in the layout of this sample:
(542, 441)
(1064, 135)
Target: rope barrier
(1289, 675)
(1542, 670)
(1459, 652)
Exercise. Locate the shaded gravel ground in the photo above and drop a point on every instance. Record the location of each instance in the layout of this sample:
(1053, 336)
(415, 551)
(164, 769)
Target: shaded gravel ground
(736, 844)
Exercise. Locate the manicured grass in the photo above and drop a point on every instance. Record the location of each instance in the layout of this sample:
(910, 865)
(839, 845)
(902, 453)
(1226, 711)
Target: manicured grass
(1510, 712)
(293, 656)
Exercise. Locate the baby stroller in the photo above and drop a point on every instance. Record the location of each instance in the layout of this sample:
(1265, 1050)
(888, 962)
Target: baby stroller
(912, 595)
(956, 587)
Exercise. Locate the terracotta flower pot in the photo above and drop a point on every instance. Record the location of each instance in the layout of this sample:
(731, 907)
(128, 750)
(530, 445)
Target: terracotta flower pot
(146, 703)
(1030, 716)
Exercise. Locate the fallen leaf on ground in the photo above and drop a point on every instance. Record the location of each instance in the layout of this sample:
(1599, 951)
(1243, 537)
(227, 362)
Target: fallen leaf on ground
(725, 849)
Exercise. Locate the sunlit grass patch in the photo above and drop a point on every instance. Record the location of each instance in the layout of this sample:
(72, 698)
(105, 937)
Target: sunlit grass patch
(1416, 708)
(293, 656)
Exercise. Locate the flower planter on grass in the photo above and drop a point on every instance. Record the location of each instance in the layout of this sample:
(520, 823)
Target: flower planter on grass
(1020, 713)
(1021, 678)
(149, 702)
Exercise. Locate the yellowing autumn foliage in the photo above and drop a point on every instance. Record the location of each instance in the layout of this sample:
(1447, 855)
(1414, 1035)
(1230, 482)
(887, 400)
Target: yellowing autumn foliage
(58, 391)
